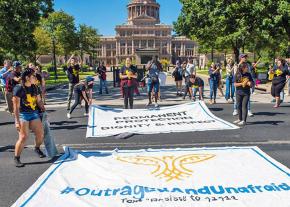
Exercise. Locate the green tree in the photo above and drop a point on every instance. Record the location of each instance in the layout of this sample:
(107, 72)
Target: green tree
(88, 38)
(235, 23)
(61, 28)
(18, 19)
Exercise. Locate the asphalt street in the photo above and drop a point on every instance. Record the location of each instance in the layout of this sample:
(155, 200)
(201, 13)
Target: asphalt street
(269, 129)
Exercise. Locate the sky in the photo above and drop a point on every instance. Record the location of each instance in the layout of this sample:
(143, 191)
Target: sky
(104, 15)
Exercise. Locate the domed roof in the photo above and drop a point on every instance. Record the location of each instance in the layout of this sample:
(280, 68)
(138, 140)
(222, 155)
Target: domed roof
(143, 1)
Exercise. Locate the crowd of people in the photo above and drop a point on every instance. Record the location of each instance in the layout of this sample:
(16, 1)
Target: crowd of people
(25, 91)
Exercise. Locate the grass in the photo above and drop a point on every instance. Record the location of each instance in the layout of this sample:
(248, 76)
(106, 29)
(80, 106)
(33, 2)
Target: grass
(62, 77)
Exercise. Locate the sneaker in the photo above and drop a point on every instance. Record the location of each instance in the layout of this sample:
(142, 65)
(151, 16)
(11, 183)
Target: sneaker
(156, 105)
(242, 123)
(39, 152)
(17, 162)
(214, 101)
(86, 114)
(148, 104)
(235, 113)
(250, 114)
(68, 115)
(237, 121)
(210, 102)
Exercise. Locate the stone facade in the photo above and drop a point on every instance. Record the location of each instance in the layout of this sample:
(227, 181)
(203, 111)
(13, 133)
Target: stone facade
(144, 36)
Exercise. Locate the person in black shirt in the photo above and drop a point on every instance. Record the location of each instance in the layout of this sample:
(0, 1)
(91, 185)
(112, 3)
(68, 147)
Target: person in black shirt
(83, 90)
(279, 80)
(243, 83)
(196, 84)
(101, 71)
(27, 104)
(73, 77)
(12, 80)
(128, 82)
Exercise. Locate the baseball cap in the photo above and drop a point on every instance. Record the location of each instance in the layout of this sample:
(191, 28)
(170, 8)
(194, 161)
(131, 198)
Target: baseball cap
(89, 79)
(16, 64)
(243, 56)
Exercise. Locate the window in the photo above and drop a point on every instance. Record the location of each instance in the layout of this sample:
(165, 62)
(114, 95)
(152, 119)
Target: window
(143, 43)
(122, 43)
(150, 43)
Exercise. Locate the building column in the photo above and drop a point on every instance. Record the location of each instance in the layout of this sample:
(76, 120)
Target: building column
(126, 48)
(133, 48)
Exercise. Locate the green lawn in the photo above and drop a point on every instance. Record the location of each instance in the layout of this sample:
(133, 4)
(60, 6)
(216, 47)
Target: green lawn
(62, 78)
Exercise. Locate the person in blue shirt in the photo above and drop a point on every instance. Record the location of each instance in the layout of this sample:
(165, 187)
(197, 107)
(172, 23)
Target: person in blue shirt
(4, 73)
(154, 67)
(213, 82)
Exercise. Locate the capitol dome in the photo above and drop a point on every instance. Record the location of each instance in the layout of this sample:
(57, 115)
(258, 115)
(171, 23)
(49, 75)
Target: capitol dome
(147, 10)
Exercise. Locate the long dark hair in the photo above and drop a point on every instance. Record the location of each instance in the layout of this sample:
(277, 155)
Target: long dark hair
(240, 71)
(28, 72)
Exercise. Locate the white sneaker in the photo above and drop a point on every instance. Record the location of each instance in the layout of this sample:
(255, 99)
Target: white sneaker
(242, 123)
(237, 121)
(250, 114)
(68, 115)
(235, 113)
(156, 105)
(86, 114)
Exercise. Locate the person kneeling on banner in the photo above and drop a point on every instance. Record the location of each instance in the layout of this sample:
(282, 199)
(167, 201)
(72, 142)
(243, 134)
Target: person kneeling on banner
(83, 90)
(196, 84)
(154, 67)
(128, 82)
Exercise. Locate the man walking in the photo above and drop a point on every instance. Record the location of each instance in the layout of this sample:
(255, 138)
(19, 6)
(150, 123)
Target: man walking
(101, 71)
(73, 77)
(4, 73)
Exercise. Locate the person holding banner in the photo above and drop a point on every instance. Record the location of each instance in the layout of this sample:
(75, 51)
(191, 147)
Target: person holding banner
(243, 82)
(154, 67)
(196, 84)
(128, 76)
(83, 90)
(27, 104)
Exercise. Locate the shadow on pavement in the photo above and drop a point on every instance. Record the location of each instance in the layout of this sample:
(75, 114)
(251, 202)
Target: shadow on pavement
(44, 162)
(69, 127)
(7, 148)
(267, 113)
(265, 122)
(6, 123)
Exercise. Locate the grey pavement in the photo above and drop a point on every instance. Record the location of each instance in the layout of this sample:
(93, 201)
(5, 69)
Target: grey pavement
(269, 129)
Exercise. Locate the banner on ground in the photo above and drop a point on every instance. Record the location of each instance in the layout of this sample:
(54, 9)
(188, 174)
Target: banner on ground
(195, 116)
(204, 177)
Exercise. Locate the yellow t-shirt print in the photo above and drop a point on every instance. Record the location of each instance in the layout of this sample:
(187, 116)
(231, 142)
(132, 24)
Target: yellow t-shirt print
(31, 101)
(279, 72)
(75, 72)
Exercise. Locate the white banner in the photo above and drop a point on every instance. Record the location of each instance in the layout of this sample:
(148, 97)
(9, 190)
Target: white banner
(203, 177)
(194, 116)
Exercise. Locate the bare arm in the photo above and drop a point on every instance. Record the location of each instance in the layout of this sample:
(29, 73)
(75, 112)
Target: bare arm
(40, 103)
(85, 96)
(16, 106)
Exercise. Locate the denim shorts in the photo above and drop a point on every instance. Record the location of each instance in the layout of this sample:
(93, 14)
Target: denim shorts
(28, 116)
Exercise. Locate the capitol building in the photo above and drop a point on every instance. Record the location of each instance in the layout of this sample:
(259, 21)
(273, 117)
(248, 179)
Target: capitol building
(144, 36)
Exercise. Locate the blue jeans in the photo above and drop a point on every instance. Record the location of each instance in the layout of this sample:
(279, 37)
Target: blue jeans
(213, 88)
(195, 90)
(230, 88)
(28, 116)
(288, 86)
(103, 83)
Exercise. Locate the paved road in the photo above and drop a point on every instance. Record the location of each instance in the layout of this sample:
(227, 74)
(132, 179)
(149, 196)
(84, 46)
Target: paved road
(269, 130)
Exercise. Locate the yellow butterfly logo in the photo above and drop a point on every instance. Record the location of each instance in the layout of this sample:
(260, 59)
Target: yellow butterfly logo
(168, 167)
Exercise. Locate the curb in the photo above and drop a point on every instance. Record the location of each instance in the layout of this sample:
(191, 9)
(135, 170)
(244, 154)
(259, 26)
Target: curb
(50, 88)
